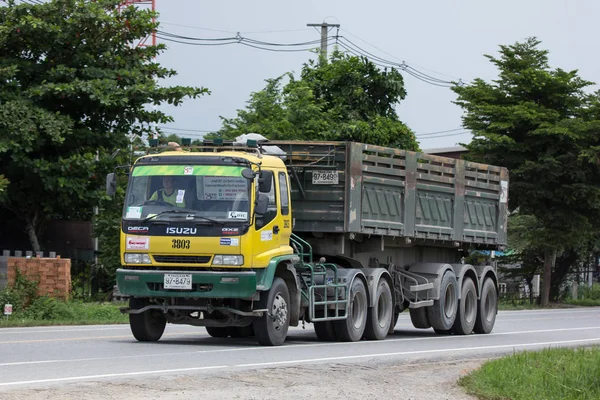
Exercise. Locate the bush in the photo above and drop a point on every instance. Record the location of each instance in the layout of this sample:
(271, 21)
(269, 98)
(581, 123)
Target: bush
(21, 294)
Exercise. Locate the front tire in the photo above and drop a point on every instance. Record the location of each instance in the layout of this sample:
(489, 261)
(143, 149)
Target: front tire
(352, 328)
(487, 308)
(271, 329)
(148, 326)
(379, 317)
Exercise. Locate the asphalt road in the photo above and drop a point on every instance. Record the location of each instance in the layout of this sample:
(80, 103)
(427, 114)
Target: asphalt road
(49, 356)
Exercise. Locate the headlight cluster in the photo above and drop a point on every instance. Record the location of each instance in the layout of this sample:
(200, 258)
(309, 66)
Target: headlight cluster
(137, 258)
(227, 260)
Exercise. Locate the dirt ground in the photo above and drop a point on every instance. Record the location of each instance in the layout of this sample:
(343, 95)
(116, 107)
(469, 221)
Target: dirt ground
(416, 381)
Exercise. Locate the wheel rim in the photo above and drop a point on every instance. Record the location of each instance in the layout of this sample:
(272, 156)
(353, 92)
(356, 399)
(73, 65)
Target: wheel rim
(383, 310)
(279, 312)
(357, 310)
(449, 301)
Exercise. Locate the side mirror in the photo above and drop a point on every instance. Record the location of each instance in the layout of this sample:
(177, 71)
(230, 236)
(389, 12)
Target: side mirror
(265, 181)
(262, 203)
(111, 184)
(248, 173)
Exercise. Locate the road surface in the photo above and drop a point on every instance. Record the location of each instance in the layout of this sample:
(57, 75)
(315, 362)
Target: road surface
(48, 358)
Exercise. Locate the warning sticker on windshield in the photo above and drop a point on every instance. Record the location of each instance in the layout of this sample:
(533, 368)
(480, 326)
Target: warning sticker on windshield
(188, 170)
(134, 212)
(225, 188)
(237, 215)
(180, 194)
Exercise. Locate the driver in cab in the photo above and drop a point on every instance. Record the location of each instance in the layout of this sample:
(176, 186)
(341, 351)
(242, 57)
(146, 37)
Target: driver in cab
(168, 194)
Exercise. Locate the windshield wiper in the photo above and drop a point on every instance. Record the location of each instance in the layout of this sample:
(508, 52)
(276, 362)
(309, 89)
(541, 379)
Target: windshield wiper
(148, 218)
(188, 214)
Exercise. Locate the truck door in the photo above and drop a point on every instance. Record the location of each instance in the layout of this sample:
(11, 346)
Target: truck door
(272, 232)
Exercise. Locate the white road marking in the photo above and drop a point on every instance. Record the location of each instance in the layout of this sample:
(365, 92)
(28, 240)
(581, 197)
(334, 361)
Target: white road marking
(292, 346)
(291, 362)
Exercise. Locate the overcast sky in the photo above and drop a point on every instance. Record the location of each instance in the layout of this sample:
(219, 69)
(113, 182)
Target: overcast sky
(442, 38)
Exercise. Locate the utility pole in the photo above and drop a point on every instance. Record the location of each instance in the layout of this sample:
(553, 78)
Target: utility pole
(324, 30)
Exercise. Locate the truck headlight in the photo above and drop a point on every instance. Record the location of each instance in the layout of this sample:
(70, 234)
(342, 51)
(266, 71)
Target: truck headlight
(225, 259)
(137, 258)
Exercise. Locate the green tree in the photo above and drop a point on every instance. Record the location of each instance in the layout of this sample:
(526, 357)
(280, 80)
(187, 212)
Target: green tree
(72, 89)
(544, 127)
(347, 98)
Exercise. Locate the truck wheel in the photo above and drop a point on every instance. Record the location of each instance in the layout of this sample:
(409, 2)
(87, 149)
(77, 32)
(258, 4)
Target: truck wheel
(352, 328)
(467, 309)
(271, 329)
(443, 312)
(419, 318)
(487, 308)
(325, 331)
(217, 331)
(379, 317)
(241, 331)
(147, 326)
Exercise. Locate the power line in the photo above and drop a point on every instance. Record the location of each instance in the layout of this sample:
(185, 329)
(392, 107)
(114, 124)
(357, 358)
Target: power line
(393, 56)
(442, 136)
(184, 130)
(438, 132)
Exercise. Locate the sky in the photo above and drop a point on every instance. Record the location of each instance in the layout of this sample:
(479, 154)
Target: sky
(441, 38)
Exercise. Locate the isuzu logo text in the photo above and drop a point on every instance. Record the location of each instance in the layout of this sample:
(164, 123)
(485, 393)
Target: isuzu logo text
(181, 231)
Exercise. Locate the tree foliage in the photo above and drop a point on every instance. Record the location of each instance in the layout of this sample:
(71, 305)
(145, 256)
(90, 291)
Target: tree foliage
(73, 88)
(544, 127)
(347, 98)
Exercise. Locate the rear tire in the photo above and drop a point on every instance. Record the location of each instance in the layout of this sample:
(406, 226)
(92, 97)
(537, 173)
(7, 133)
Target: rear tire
(419, 318)
(325, 331)
(467, 309)
(487, 308)
(148, 326)
(271, 329)
(443, 312)
(379, 317)
(352, 328)
(217, 331)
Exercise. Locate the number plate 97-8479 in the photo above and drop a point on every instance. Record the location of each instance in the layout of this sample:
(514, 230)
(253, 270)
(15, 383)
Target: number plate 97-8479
(178, 281)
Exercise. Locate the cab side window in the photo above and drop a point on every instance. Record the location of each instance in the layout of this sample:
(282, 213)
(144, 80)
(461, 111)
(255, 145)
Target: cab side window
(262, 220)
(283, 194)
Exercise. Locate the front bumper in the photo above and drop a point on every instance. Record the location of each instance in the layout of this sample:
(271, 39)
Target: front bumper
(205, 284)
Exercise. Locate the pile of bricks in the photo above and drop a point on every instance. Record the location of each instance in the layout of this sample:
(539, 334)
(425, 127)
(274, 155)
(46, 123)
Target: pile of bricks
(53, 274)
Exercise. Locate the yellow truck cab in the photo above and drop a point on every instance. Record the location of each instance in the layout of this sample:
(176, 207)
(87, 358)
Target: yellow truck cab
(206, 240)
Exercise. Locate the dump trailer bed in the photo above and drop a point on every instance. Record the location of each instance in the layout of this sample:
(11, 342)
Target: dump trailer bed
(355, 188)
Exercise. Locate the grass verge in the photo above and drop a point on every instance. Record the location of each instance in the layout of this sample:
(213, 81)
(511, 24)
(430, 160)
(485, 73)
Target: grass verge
(548, 374)
(55, 312)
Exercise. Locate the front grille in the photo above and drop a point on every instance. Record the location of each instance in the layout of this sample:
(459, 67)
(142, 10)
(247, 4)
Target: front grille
(182, 259)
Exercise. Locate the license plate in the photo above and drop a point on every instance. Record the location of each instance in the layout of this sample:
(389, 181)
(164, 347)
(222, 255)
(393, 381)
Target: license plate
(178, 281)
(325, 178)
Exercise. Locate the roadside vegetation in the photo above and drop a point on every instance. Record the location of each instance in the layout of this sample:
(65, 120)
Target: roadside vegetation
(548, 374)
(587, 296)
(30, 309)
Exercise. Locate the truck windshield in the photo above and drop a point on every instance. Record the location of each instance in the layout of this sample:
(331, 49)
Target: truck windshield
(210, 191)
